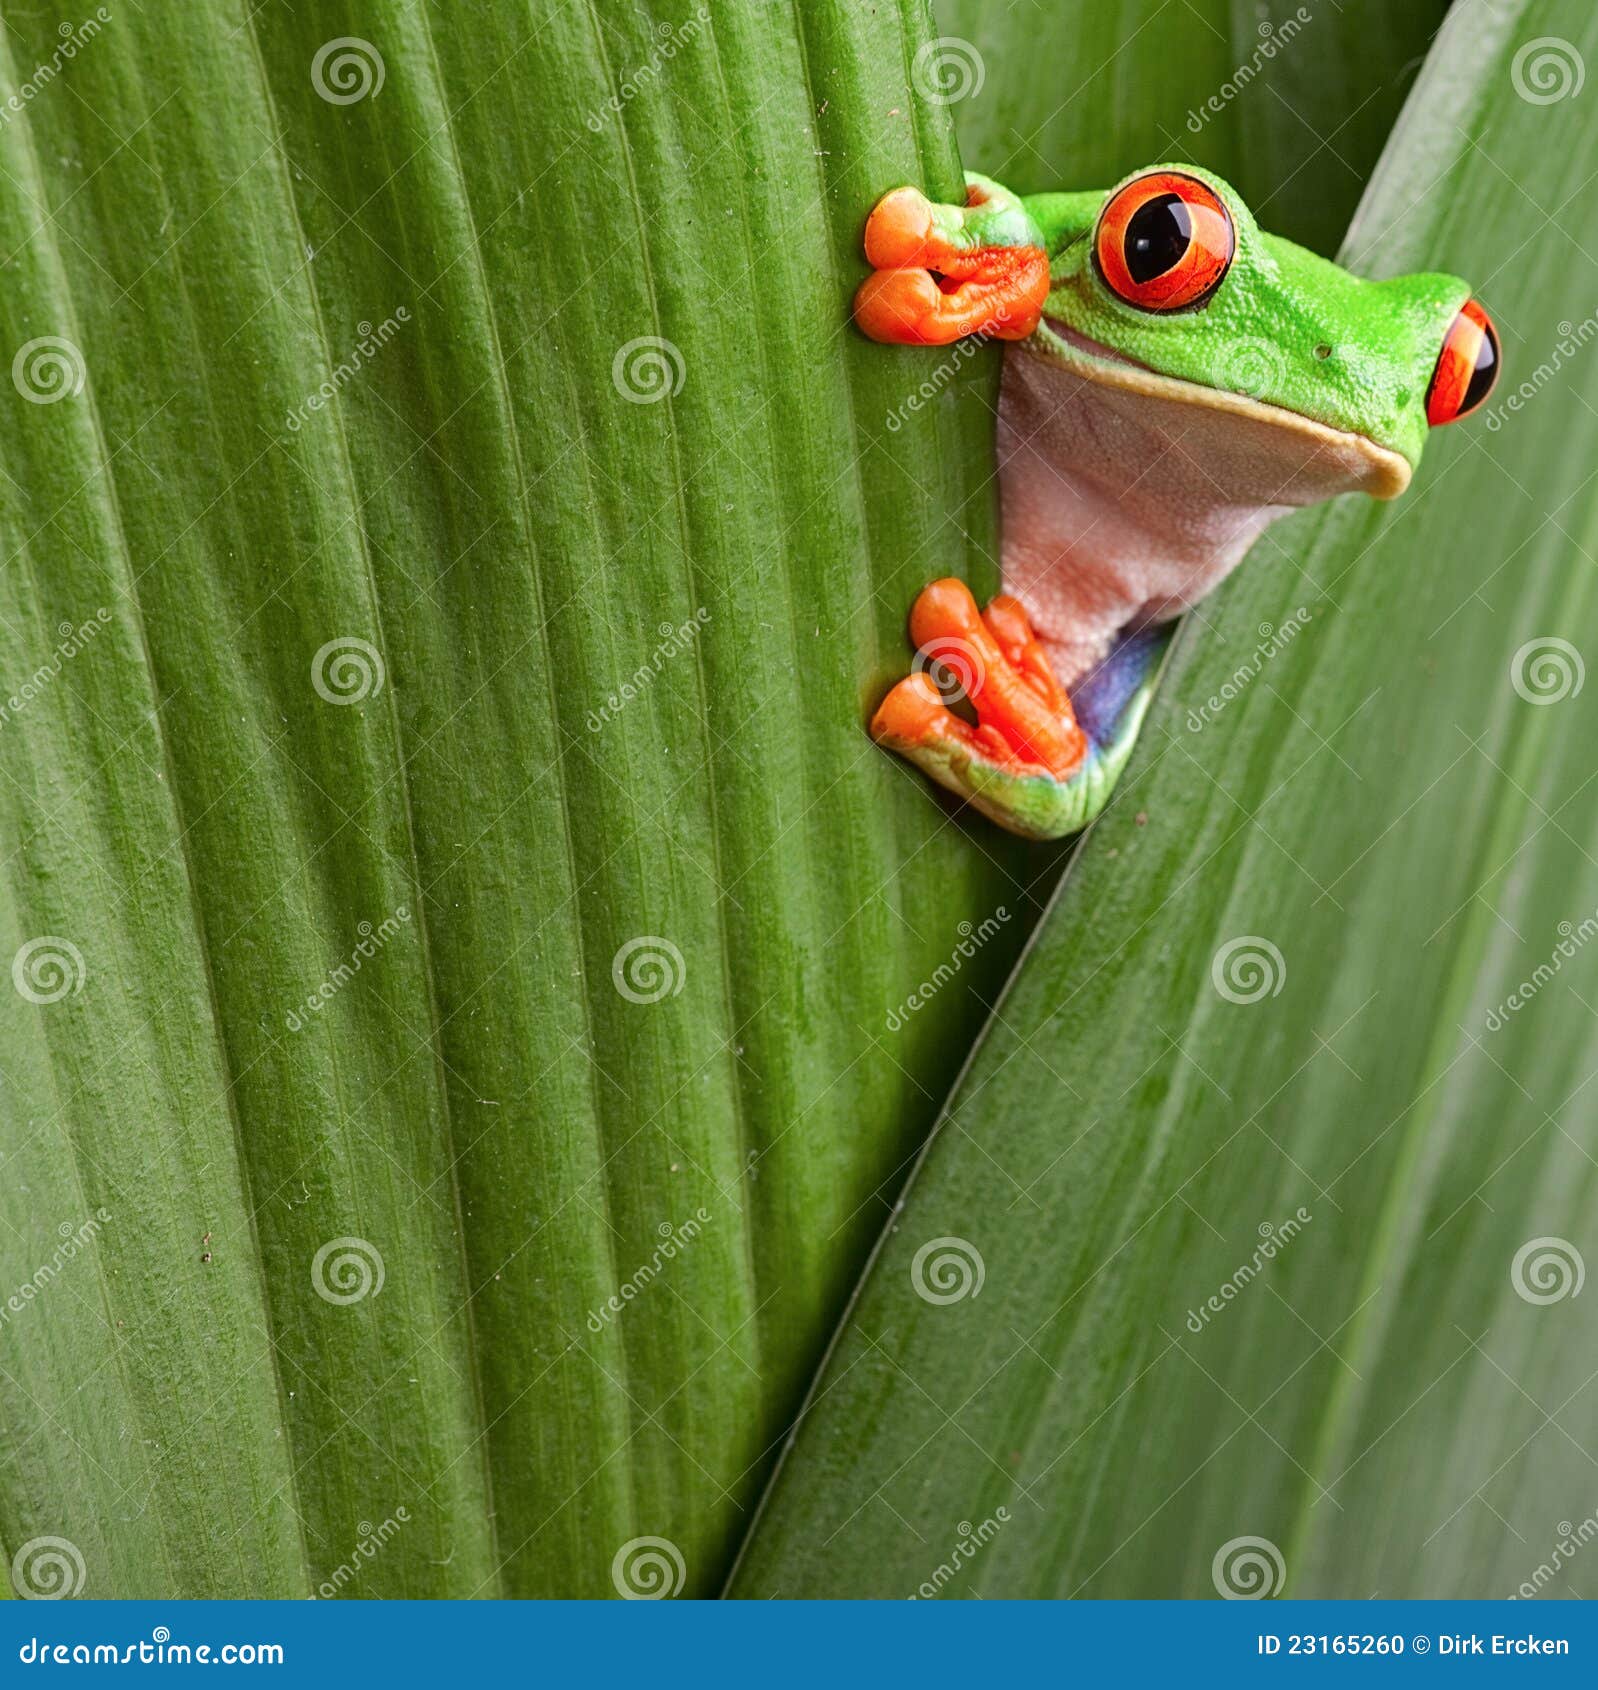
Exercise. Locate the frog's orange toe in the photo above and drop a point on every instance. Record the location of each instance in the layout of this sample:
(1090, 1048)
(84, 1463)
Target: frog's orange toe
(903, 308)
(899, 230)
(1009, 624)
(945, 610)
(1011, 627)
(1014, 283)
(911, 308)
(1003, 670)
(912, 713)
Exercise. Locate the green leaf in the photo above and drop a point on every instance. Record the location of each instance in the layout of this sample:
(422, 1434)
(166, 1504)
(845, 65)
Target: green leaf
(339, 921)
(1391, 814)
(1290, 102)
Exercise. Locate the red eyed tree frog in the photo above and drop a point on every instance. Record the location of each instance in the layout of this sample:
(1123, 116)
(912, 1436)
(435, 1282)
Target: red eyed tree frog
(1175, 381)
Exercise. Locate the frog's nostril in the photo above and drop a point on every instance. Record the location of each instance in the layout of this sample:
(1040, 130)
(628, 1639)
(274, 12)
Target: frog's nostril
(1323, 351)
(1466, 369)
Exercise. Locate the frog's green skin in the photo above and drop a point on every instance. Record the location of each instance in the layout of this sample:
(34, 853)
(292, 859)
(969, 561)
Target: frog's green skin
(1140, 451)
(1383, 337)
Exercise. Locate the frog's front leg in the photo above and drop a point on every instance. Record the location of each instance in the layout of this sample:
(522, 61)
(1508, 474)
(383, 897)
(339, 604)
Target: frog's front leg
(941, 272)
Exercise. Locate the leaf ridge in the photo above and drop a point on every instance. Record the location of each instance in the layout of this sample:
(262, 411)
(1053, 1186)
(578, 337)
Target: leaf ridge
(402, 783)
(202, 945)
(739, 1087)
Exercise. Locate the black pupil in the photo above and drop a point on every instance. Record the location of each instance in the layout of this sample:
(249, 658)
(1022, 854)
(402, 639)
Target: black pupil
(1481, 380)
(1159, 233)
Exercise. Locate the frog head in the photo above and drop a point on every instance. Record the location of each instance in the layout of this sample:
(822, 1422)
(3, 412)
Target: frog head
(1166, 289)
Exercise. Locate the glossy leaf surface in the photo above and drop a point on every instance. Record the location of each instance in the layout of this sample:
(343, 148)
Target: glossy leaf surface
(1249, 1256)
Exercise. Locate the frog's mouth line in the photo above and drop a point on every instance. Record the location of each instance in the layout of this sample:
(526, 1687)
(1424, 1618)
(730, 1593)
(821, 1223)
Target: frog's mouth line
(1384, 473)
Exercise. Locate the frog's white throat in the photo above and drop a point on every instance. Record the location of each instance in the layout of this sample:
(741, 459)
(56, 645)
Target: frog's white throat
(1129, 495)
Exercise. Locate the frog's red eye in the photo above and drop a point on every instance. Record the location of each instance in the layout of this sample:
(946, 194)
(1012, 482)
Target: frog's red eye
(1466, 369)
(1164, 242)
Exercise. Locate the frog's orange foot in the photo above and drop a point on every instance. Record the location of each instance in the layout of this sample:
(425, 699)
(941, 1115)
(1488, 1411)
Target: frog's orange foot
(1026, 733)
(941, 272)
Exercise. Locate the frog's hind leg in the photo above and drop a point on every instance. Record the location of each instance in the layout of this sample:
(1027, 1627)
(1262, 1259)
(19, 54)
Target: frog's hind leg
(941, 272)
